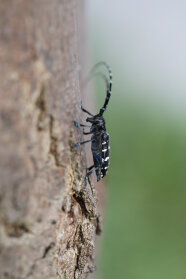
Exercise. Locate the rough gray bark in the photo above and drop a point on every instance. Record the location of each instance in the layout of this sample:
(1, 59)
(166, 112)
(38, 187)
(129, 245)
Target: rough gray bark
(47, 223)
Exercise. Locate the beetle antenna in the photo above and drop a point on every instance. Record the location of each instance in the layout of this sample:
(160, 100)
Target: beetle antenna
(107, 82)
(98, 74)
(109, 87)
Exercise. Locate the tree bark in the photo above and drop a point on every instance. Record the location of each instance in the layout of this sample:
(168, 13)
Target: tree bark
(48, 218)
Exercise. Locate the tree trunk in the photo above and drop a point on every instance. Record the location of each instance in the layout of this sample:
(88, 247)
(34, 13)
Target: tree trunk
(48, 218)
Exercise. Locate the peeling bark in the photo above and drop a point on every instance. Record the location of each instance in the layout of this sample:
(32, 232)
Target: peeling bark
(48, 220)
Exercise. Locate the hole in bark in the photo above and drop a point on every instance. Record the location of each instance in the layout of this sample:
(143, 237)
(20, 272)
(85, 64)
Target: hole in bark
(16, 230)
(81, 202)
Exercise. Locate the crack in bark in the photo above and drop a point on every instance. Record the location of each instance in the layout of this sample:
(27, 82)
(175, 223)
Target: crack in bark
(53, 142)
(45, 253)
(47, 249)
(47, 121)
(80, 200)
(41, 104)
(79, 243)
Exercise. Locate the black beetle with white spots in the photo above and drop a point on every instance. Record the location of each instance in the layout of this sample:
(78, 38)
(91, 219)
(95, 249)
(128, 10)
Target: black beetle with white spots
(100, 142)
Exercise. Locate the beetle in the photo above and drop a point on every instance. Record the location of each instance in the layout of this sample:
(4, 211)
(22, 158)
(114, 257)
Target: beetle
(100, 141)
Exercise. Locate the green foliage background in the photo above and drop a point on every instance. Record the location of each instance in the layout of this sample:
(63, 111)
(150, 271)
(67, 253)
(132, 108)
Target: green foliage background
(144, 234)
(145, 224)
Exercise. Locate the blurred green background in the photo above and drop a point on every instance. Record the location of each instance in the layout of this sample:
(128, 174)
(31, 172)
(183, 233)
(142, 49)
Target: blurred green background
(144, 233)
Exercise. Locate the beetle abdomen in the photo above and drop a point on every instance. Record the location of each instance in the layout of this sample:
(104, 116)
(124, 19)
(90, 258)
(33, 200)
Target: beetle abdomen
(101, 153)
(105, 154)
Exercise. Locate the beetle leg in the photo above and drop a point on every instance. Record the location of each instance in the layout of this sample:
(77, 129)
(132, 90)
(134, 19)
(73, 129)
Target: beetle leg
(81, 142)
(89, 172)
(88, 133)
(84, 110)
(78, 125)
